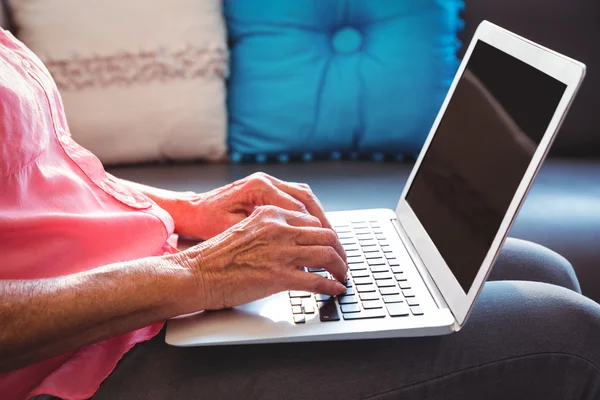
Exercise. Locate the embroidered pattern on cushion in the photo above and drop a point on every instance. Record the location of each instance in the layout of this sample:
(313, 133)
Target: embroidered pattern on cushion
(136, 68)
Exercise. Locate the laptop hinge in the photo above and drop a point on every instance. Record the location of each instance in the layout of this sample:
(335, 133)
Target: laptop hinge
(412, 252)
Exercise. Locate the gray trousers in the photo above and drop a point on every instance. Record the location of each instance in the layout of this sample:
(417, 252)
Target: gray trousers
(532, 335)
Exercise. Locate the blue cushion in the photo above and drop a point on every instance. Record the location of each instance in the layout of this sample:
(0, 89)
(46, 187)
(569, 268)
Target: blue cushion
(338, 76)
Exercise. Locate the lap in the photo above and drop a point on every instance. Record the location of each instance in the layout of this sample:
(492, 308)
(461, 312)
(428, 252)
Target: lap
(523, 340)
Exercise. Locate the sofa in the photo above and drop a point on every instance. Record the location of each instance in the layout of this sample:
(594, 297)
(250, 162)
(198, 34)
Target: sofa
(562, 210)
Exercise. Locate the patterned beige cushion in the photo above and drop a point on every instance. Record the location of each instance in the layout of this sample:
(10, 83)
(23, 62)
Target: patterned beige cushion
(141, 80)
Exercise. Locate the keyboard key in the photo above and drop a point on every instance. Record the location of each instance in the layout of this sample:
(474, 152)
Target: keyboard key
(351, 247)
(386, 250)
(371, 249)
(297, 309)
(408, 293)
(349, 283)
(360, 274)
(357, 266)
(375, 313)
(365, 288)
(390, 256)
(374, 255)
(324, 274)
(416, 310)
(348, 299)
(343, 230)
(380, 237)
(395, 298)
(369, 239)
(378, 261)
(383, 243)
(368, 305)
(404, 285)
(299, 318)
(368, 296)
(362, 232)
(308, 309)
(398, 309)
(356, 260)
(328, 311)
(382, 275)
(411, 301)
(393, 263)
(363, 281)
(296, 301)
(368, 244)
(316, 269)
(298, 293)
(379, 268)
(389, 290)
(386, 283)
(322, 297)
(349, 291)
(346, 237)
(352, 254)
(350, 308)
(339, 226)
(377, 230)
(348, 241)
(400, 277)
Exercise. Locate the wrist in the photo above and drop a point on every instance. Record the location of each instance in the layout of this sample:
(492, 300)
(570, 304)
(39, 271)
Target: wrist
(190, 294)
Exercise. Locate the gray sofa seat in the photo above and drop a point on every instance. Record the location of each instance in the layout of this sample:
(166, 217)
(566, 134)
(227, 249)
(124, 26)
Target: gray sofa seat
(562, 211)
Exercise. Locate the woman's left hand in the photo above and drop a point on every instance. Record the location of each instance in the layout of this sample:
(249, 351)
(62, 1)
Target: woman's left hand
(208, 214)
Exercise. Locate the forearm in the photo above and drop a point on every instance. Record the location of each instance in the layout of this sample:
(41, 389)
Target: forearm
(48, 317)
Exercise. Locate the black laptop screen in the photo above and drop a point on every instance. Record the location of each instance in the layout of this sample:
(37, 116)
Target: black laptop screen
(499, 112)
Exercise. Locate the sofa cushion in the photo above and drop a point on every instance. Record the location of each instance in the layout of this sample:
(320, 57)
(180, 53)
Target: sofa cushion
(338, 76)
(140, 79)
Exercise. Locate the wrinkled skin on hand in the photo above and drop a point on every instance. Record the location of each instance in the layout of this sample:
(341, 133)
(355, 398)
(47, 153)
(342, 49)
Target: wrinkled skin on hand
(263, 255)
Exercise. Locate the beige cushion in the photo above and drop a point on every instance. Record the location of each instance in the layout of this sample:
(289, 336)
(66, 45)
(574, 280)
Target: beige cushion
(141, 80)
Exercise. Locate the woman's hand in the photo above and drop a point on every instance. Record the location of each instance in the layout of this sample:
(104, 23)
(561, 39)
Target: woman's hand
(211, 213)
(261, 256)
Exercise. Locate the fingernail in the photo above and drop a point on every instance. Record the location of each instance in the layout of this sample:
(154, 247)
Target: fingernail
(341, 288)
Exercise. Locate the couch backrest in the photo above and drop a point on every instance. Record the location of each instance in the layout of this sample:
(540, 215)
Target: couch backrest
(569, 27)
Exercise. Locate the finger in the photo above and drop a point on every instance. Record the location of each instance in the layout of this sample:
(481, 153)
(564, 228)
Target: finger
(265, 193)
(307, 197)
(301, 220)
(322, 257)
(320, 237)
(303, 194)
(300, 280)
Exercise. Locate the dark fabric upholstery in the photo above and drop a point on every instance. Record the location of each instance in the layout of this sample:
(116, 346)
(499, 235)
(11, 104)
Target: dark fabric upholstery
(569, 27)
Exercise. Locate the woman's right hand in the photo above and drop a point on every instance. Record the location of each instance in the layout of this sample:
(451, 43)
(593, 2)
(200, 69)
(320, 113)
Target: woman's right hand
(261, 256)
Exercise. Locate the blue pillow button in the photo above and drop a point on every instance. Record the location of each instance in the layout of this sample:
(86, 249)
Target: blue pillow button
(347, 40)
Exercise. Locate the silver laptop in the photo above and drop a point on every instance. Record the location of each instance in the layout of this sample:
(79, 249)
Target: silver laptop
(418, 270)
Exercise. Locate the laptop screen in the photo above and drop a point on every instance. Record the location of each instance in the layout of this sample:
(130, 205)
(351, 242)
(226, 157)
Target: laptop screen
(485, 141)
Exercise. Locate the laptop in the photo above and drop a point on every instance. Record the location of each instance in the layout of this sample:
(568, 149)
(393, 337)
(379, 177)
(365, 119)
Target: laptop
(417, 270)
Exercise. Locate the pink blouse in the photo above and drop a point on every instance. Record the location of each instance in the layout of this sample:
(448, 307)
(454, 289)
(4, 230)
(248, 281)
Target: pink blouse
(61, 213)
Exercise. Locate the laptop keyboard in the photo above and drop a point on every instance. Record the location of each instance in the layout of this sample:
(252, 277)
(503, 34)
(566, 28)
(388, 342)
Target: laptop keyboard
(377, 287)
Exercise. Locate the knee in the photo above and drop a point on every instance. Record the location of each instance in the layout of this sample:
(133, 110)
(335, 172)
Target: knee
(524, 260)
(537, 318)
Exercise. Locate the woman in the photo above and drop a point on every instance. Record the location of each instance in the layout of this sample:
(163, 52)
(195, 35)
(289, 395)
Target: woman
(88, 274)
